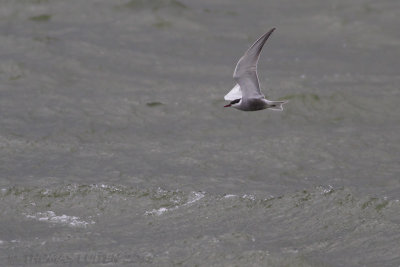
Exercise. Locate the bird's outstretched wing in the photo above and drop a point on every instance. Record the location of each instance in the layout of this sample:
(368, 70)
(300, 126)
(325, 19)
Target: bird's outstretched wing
(245, 73)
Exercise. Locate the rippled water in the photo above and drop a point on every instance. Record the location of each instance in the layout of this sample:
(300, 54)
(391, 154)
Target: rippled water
(160, 227)
(115, 148)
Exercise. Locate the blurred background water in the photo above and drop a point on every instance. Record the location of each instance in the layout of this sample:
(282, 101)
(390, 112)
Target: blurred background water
(116, 148)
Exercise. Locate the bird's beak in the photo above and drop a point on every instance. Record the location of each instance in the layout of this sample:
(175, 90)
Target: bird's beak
(227, 106)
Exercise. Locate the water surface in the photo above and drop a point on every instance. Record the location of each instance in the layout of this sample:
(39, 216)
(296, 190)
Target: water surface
(116, 148)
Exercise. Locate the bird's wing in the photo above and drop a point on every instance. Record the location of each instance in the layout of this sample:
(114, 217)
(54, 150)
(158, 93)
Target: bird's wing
(233, 94)
(245, 73)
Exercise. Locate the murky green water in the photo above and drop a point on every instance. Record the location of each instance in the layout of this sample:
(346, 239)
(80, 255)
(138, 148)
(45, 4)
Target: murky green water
(115, 148)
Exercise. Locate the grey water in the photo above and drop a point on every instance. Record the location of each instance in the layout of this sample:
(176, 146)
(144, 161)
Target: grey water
(115, 148)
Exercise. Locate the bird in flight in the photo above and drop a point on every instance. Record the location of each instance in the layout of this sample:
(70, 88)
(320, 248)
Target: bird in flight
(246, 95)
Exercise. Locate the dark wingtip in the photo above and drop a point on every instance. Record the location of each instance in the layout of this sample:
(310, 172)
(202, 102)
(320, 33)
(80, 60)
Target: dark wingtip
(266, 35)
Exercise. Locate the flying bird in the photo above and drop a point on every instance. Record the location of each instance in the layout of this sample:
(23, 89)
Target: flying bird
(246, 95)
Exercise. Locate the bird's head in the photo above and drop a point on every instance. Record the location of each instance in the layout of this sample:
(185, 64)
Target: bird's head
(234, 103)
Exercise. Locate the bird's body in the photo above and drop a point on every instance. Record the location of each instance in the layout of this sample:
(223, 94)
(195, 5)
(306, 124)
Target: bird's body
(246, 95)
(254, 104)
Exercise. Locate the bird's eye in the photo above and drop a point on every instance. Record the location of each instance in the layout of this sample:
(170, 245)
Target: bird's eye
(235, 101)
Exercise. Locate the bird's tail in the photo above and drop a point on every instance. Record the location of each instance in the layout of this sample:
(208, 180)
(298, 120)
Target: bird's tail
(276, 105)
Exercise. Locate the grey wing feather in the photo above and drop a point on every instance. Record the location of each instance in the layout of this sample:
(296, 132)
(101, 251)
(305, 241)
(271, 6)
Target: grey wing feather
(245, 73)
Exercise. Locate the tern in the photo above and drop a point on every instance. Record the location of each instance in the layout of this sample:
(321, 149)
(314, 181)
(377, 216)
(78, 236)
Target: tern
(246, 95)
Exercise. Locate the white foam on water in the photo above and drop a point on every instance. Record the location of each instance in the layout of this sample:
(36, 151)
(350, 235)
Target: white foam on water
(250, 197)
(327, 190)
(51, 217)
(104, 186)
(46, 192)
(157, 212)
(230, 196)
(193, 197)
